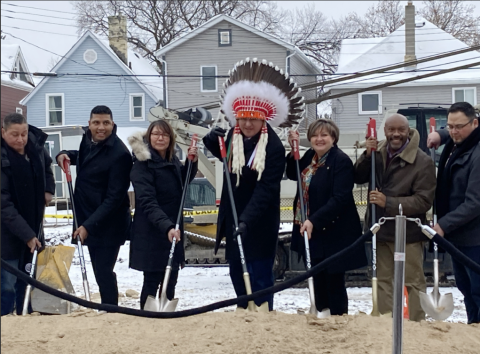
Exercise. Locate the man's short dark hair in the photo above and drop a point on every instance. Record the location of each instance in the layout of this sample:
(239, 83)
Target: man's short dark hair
(464, 107)
(13, 118)
(101, 110)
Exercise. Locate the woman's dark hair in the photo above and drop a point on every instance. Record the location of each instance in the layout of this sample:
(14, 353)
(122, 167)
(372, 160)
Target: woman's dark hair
(101, 110)
(326, 125)
(166, 128)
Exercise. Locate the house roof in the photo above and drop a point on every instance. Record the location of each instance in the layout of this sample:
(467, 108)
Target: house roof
(152, 85)
(358, 55)
(219, 18)
(10, 53)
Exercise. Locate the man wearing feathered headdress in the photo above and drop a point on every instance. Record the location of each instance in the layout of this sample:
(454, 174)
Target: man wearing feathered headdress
(257, 96)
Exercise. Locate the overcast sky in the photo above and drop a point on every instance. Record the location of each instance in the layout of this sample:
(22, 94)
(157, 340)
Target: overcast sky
(63, 34)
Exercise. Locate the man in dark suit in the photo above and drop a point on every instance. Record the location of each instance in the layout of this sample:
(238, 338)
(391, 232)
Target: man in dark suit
(101, 196)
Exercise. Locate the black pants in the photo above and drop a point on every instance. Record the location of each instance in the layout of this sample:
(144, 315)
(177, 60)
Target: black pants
(261, 277)
(151, 281)
(330, 291)
(103, 261)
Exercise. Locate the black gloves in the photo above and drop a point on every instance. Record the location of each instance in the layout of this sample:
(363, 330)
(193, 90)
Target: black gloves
(217, 132)
(242, 230)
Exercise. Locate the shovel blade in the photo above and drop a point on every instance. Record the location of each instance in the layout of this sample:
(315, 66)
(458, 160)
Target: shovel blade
(438, 310)
(156, 304)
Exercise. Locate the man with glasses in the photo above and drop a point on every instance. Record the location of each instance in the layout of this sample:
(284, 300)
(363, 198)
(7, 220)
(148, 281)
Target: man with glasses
(405, 175)
(458, 196)
(101, 198)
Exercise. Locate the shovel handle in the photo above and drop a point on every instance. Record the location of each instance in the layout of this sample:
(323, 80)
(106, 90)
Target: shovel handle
(193, 144)
(372, 129)
(66, 168)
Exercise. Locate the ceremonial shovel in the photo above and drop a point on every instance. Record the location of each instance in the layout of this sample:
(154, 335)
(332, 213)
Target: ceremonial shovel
(66, 168)
(31, 271)
(246, 276)
(372, 131)
(162, 304)
(437, 306)
(313, 308)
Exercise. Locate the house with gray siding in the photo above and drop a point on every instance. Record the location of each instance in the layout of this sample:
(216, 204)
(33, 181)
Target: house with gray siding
(352, 112)
(90, 74)
(205, 55)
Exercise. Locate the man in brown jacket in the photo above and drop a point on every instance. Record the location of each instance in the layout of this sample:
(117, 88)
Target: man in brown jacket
(404, 175)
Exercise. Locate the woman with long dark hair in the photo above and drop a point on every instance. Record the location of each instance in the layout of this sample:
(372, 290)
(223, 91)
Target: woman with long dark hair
(332, 222)
(158, 178)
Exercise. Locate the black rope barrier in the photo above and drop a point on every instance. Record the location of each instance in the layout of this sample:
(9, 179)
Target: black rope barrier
(456, 253)
(199, 310)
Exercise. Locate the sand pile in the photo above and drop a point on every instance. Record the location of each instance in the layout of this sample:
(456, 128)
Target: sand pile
(90, 332)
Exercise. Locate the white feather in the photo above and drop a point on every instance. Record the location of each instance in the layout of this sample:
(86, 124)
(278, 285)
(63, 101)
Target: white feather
(261, 90)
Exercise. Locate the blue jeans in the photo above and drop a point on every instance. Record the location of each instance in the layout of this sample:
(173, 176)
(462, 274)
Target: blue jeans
(8, 288)
(468, 282)
(261, 277)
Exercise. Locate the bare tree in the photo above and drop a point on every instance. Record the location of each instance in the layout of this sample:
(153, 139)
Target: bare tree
(153, 24)
(455, 17)
(380, 20)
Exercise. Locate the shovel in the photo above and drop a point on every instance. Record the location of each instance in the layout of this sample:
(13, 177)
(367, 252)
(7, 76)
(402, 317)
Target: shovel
(437, 306)
(66, 168)
(246, 276)
(313, 308)
(28, 291)
(160, 302)
(372, 131)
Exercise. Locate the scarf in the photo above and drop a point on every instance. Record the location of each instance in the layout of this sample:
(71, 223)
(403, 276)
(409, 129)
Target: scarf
(450, 154)
(306, 176)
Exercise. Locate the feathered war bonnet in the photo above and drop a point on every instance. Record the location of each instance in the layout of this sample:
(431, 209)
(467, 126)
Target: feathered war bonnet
(258, 90)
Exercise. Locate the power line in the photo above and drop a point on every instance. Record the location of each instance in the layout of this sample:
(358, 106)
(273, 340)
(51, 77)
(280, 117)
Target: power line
(328, 96)
(29, 13)
(393, 66)
(37, 8)
(34, 30)
(49, 23)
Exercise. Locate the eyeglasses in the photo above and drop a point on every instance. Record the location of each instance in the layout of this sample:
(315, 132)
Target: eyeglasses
(458, 127)
(158, 135)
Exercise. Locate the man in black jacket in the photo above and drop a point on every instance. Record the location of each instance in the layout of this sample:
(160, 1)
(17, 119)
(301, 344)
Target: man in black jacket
(27, 186)
(101, 197)
(458, 196)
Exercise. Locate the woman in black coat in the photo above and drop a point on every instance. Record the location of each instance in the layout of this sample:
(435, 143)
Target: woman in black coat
(332, 222)
(158, 178)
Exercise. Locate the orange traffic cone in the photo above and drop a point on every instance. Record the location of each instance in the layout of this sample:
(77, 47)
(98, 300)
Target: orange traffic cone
(405, 303)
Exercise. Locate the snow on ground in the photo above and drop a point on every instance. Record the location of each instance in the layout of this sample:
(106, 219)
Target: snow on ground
(199, 286)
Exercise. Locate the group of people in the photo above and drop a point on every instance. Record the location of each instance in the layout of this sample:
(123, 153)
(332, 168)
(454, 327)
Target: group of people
(256, 163)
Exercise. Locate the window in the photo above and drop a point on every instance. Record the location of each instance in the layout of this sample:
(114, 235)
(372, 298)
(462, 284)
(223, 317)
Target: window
(90, 56)
(465, 94)
(208, 81)
(55, 104)
(137, 104)
(224, 37)
(370, 102)
(18, 110)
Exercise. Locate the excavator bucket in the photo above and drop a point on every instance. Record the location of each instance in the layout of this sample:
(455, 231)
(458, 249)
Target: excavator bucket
(52, 270)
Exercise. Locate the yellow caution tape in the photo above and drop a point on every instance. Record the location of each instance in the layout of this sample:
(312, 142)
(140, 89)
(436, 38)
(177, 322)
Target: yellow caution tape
(185, 213)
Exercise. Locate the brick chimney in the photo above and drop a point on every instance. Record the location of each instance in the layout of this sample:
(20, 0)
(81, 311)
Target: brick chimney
(410, 34)
(117, 36)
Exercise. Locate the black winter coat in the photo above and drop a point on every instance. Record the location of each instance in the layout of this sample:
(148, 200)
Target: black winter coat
(257, 202)
(15, 230)
(458, 191)
(158, 191)
(336, 224)
(101, 189)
